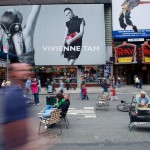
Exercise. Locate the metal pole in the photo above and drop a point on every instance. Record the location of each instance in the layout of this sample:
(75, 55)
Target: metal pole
(7, 65)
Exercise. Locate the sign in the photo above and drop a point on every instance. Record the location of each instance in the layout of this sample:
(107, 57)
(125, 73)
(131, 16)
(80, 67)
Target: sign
(131, 53)
(41, 38)
(146, 52)
(130, 19)
(125, 53)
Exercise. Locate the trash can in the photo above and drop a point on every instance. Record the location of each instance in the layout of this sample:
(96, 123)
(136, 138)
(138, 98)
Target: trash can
(51, 100)
(50, 89)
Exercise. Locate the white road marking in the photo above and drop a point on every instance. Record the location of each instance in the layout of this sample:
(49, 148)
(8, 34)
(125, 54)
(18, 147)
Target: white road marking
(87, 112)
(71, 108)
(90, 108)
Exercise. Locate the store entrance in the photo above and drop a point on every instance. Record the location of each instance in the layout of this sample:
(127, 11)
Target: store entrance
(139, 71)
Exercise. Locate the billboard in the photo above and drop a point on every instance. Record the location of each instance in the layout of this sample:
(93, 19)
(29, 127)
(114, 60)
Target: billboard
(131, 18)
(127, 53)
(54, 34)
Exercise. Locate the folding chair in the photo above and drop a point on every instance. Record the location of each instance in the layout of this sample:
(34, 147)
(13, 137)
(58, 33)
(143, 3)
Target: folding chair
(49, 122)
(103, 101)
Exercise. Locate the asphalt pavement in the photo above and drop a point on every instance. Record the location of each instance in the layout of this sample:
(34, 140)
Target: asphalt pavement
(89, 128)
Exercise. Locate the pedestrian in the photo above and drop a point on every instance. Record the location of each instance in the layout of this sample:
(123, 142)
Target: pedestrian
(35, 91)
(137, 82)
(84, 92)
(134, 80)
(53, 84)
(119, 82)
(67, 83)
(28, 88)
(15, 133)
(114, 93)
(140, 83)
(82, 83)
(104, 85)
(61, 86)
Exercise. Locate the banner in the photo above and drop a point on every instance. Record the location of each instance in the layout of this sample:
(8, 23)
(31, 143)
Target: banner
(54, 34)
(131, 18)
(127, 53)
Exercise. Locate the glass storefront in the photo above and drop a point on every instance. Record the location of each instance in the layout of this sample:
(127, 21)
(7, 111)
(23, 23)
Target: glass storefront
(90, 73)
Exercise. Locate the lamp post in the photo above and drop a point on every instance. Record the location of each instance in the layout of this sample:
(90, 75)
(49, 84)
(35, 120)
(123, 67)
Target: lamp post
(7, 31)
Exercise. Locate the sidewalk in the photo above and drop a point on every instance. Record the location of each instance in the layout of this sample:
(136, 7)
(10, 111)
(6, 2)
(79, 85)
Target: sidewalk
(93, 90)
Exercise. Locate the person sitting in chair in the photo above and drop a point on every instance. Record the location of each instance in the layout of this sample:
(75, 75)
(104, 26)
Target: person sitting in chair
(49, 108)
(65, 106)
(142, 101)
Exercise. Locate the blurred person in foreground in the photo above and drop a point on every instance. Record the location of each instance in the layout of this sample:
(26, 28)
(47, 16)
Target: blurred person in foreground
(14, 122)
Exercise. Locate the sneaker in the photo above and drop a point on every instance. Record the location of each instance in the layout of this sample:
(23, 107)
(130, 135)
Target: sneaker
(135, 29)
(38, 104)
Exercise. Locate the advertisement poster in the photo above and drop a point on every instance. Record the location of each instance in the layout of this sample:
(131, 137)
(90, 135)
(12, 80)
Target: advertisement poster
(54, 34)
(131, 18)
(127, 53)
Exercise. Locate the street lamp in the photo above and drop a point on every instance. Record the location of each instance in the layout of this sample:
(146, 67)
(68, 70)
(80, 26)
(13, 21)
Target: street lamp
(7, 31)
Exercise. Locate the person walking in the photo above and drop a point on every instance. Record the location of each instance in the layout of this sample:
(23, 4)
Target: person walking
(61, 86)
(15, 116)
(82, 83)
(140, 83)
(35, 91)
(137, 82)
(28, 88)
(104, 85)
(84, 92)
(119, 82)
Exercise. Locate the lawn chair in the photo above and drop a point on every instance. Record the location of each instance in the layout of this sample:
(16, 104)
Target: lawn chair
(50, 122)
(103, 101)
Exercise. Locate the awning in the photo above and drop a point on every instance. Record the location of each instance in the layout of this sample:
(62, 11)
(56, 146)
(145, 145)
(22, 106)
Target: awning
(11, 56)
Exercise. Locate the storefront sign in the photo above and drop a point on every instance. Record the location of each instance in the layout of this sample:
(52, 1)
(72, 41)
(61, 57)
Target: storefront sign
(146, 52)
(131, 53)
(125, 53)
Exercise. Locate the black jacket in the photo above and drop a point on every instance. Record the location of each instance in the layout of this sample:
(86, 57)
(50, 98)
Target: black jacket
(64, 107)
